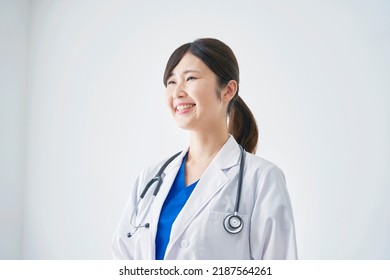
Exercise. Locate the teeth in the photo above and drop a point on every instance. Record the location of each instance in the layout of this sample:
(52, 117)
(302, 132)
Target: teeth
(184, 107)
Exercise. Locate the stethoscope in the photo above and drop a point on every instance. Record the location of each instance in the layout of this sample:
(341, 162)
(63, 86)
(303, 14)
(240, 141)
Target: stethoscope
(232, 223)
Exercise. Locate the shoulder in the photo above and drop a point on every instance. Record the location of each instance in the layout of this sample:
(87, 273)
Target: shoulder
(268, 179)
(259, 166)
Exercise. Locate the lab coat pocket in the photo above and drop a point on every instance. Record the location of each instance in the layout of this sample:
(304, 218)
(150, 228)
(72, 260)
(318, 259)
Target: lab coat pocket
(218, 243)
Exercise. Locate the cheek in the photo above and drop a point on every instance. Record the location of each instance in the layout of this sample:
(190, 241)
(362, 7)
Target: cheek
(208, 97)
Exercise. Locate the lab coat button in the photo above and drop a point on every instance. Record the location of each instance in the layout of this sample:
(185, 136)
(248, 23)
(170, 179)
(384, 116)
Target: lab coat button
(184, 243)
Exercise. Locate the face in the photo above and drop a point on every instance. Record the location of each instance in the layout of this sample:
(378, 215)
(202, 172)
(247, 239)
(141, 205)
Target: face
(191, 96)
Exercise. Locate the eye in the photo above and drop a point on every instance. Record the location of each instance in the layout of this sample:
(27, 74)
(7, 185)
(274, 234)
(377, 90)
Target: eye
(191, 78)
(171, 82)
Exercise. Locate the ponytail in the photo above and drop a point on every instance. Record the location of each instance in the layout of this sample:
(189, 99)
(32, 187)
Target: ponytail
(242, 125)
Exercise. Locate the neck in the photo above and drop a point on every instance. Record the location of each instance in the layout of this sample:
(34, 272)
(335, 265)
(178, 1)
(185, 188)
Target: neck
(205, 145)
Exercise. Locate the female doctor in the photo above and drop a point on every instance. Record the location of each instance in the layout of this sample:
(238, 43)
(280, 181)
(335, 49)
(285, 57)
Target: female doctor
(215, 199)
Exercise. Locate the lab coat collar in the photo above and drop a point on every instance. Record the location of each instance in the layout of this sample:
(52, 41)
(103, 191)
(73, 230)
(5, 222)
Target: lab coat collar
(227, 156)
(175, 164)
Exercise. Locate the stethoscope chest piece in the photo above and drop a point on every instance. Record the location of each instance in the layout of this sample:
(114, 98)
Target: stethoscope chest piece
(233, 223)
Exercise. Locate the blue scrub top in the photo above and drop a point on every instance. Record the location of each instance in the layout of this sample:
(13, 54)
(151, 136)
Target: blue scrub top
(177, 197)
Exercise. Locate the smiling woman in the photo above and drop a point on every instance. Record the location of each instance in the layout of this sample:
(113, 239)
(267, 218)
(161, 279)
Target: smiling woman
(215, 199)
(217, 62)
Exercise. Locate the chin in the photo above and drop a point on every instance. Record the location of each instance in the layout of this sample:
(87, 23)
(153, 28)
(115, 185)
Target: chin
(186, 122)
(185, 125)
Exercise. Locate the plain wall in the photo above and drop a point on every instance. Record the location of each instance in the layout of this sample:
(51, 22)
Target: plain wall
(14, 19)
(314, 73)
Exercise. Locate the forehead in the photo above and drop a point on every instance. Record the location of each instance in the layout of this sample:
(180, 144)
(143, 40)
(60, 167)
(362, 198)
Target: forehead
(190, 62)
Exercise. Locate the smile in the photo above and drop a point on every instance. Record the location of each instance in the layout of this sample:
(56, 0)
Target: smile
(184, 107)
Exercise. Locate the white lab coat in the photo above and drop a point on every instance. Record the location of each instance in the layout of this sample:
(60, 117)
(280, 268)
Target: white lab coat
(198, 231)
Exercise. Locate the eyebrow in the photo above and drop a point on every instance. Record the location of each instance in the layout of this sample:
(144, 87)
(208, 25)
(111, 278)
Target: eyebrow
(185, 72)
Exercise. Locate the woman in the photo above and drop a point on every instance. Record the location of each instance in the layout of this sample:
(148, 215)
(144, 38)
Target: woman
(201, 210)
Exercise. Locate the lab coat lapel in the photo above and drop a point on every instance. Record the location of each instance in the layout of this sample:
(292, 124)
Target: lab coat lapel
(213, 180)
(169, 176)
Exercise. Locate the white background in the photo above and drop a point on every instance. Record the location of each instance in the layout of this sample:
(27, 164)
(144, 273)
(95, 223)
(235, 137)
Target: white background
(82, 112)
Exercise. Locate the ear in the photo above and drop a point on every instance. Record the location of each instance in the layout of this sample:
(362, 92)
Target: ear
(229, 91)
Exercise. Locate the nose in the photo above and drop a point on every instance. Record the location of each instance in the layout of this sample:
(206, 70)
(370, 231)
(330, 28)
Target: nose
(178, 91)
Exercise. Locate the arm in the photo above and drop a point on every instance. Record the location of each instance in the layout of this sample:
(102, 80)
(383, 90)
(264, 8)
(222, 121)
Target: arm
(272, 224)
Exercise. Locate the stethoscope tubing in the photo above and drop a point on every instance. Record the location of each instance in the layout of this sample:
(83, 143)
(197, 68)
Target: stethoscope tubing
(232, 218)
(240, 178)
